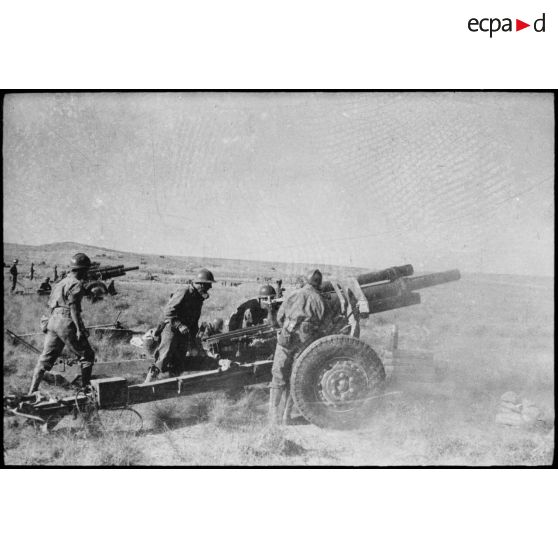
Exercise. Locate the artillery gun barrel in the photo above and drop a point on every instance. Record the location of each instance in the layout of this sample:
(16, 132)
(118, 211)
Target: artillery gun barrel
(109, 272)
(131, 268)
(433, 279)
(389, 274)
(402, 289)
(99, 269)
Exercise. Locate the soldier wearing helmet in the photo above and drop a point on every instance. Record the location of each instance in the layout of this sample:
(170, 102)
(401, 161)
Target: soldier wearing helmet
(302, 318)
(256, 310)
(13, 273)
(180, 329)
(65, 325)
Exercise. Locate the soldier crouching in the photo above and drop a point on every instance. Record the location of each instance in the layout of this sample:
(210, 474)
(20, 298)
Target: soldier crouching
(65, 326)
(180, 326)
(301, 317)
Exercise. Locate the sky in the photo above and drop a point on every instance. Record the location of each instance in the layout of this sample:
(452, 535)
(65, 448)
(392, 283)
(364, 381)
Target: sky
(440, 180)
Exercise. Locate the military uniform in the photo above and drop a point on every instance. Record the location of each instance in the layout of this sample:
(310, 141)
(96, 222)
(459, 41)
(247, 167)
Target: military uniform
(181, 317)
(301, 317)
(62, 331)
(249, 313)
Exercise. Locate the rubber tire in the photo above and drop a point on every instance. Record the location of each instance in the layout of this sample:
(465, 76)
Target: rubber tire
(94, 286)
(306, 370)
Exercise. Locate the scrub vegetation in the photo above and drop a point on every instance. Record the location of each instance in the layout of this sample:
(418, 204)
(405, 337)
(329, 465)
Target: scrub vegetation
(489, 334)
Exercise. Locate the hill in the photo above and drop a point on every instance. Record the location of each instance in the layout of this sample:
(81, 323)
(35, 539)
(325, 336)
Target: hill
(47, 255)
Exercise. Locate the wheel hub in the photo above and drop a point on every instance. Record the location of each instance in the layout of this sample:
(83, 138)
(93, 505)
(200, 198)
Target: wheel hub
(343, 382)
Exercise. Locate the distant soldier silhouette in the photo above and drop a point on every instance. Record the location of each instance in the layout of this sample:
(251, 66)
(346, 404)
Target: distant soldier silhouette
(32, 271)
(55, 273)
(13, 273)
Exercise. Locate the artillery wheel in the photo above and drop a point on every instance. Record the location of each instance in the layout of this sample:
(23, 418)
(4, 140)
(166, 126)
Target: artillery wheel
(333, 378)
(95, 291)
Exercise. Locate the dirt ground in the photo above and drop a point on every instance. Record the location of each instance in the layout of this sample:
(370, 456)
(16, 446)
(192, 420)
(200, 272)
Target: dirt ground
(489, 335)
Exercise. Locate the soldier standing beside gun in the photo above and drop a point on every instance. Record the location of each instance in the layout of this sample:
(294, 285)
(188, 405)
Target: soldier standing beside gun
(32, 271)
(13, 273)
(182, 314)
(65, 326)
(302, 317)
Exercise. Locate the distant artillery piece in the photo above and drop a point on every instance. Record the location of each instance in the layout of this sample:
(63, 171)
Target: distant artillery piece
(95, 286)
(333, 379)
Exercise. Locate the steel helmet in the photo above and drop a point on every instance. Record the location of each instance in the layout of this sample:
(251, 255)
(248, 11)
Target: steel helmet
(314, 278)
(267, 290)
(204, 276)
(218, 324)
(15, 261)
(80, 261)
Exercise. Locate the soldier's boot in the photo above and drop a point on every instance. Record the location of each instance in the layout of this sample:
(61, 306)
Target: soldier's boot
(275, 397)
(152, 374)
(38, 374)
(86, 373)
(289, 405)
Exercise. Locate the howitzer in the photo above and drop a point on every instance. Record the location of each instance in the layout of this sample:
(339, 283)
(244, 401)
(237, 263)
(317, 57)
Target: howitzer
(382, 295)
(333, 378)
(349, 301)
(108, 272)
(389, 274)
(95, 287)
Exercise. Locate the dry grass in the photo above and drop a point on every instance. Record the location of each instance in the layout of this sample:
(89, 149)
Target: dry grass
(494, 336)
(28, 446)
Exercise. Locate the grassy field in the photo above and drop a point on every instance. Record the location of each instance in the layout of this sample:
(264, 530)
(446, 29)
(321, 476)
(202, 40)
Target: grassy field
(490, 334)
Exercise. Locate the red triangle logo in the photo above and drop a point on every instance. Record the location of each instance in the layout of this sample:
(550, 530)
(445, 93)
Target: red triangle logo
(519, 25)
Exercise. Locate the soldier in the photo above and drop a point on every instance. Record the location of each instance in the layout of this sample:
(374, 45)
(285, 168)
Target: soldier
(181, 316)
(13, 273)
(302, 317)
(256, 310)
(45, 286)
(65, 325)
(32, 271)
(55, 273)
